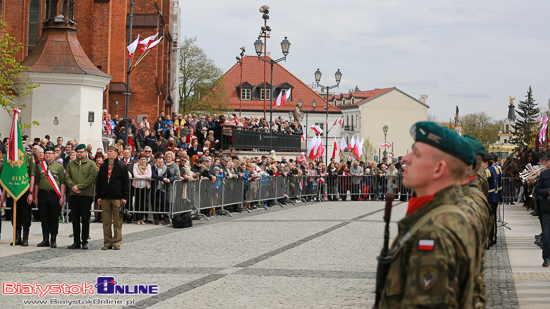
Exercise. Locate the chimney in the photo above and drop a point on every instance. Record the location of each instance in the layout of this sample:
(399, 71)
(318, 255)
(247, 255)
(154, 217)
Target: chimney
(423, 98)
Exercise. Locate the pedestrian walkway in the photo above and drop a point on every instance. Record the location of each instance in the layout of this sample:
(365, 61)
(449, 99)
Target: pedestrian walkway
(314, 255)
(532, 281)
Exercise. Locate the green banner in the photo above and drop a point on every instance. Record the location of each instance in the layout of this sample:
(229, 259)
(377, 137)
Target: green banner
(15, 178)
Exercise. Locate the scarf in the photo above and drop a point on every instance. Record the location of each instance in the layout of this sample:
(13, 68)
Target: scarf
(142, 168)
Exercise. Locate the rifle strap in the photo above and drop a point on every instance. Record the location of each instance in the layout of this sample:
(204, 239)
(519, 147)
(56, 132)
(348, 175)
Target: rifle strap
(422, 222)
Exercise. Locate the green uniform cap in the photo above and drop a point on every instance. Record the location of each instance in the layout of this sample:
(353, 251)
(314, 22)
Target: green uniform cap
(443, 139)
(80, 146)
(479, 149)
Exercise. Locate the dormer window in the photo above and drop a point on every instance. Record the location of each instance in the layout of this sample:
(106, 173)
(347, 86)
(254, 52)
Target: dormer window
(267, 92)
(246, 94)
(344, 102)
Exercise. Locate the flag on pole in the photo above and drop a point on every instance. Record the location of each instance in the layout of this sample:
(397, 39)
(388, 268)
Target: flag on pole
(310, 148)
(385, 145)
(356, 148)
(339, 121)
(285, 97)
(15, 178)
(343, 144)
(146, 42)
(278, 101)
(335, 148)
(361, 147)
(317, 129)
(154, 43)
(320, 148)
(351, 143)
(132, 47)
(304, 137)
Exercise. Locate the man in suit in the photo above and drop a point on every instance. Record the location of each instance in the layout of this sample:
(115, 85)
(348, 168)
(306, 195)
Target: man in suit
(542, 189)
(193, 150)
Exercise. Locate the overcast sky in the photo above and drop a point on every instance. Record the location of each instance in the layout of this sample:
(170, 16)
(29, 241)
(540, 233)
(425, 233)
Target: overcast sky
(474, 54)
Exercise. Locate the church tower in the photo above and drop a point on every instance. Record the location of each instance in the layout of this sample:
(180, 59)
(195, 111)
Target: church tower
(69, 100)
(502, 147)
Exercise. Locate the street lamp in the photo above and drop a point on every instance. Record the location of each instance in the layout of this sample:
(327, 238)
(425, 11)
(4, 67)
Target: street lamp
(385, 130)
(240, 62)
(259, 47)
(338, 77)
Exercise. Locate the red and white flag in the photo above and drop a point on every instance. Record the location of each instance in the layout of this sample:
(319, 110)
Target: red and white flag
(13, 144)
(304, 138)
(154, 43)
(361, 147)
(426, 244)
(132, 47)
(147, 42)
(339, 121)
(343, 144)
(351, 144)
(317, 129)
(320, 148)
(311, 149)
(281, 99)
(356, 148)
(335, 148)
(385, 145)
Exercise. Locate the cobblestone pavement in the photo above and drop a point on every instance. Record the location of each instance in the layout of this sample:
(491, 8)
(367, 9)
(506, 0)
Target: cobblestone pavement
(314, 255)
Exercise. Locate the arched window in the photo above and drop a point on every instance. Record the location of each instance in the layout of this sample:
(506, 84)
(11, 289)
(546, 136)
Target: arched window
(34, 25)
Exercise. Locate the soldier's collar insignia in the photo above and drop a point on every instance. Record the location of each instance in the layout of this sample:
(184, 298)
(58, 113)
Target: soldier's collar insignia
(427, 277)
(434, 137)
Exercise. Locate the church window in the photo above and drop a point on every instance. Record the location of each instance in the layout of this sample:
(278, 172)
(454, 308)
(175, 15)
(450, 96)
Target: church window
(34, 25)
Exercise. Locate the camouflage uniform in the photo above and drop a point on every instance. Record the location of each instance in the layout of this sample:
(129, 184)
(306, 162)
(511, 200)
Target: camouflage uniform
(481, 182)
(442, 276)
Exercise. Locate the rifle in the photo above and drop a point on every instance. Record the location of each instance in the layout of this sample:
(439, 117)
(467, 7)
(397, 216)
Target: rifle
(384, 259)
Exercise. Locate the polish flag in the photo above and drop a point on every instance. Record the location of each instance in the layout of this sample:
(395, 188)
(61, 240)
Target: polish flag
(310, 149)
(320, 148)
(343, 144)
(339, 121)
(351, 144)
(361, 147)
(385, 145)
(335, 148)
(356, 148)
(132, 47)
(317, 129)
(426, 244)
(146, 42)
(154, 43)
(304, 138)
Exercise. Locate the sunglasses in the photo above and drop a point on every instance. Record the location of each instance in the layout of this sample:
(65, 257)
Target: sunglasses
(147, 150)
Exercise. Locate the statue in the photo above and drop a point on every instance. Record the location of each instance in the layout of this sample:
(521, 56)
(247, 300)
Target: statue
(297, 114)
(512, 100)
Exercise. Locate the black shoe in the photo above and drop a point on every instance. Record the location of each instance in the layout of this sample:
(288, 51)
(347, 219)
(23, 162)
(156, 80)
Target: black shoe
(18, 242)
(85, 246)
(535, 213)
(74, 246)
(44, 243)
(546, 264)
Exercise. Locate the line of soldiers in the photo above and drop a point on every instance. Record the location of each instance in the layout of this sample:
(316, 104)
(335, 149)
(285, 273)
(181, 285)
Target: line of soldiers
(438, 256)
(493, 173)
(47, 182)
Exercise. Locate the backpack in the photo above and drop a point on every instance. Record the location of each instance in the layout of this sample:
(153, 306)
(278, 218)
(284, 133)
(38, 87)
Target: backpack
(183, 220)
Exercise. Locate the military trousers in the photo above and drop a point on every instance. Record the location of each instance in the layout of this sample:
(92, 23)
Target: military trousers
(50, 210)
(493, 231)
(24, 212)
(80, 213)
(111, 211)
(545, 220)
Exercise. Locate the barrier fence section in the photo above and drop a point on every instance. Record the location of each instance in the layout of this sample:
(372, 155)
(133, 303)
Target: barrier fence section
(158, 200)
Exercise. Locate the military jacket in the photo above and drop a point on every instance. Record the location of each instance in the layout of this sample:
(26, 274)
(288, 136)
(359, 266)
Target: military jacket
(82, 175)
(498, 171)
(476, 216)
(492, 197)
(480, 182)
(58, 173)
(434, 267)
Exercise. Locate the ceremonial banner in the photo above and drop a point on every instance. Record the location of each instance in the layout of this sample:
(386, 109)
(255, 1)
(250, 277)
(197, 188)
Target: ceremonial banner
(14, 176)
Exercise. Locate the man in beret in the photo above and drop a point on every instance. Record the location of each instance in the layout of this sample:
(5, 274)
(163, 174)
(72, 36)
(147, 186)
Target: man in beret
(80, 178)
(432, 253)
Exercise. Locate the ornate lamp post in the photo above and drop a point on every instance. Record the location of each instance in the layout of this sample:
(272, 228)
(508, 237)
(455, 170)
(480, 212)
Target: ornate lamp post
(259, 47)
(338, 77)
(240, 62)
(385, 130)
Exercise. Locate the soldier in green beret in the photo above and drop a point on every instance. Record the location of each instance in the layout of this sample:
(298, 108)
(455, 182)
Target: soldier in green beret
(80, 178)
(50, 196)
(433, 252)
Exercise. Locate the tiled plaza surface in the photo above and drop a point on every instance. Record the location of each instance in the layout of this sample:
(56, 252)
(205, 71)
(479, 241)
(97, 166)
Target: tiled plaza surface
(314, 255)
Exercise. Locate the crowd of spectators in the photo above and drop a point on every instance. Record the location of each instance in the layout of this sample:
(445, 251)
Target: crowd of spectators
(179, 131)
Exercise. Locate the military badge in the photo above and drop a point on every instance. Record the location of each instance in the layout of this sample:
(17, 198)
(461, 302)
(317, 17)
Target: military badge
(434, 137)
(426, 244)
(427, 277)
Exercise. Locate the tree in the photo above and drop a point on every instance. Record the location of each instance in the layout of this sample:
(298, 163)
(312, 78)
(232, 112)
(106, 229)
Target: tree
(480, 126)
(369, 151)
(201, 82)
(526, 124)
(12, 87)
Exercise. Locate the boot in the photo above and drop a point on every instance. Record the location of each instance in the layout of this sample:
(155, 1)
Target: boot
(45, 242)
(53, 243)
(17, 238)
(25, 238)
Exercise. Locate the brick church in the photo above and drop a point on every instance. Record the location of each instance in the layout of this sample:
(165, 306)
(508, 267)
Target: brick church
(102, 30)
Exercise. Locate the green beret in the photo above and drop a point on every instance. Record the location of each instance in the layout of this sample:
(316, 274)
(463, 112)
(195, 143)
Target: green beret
(80, 146)
(443, 139)
(479, 149)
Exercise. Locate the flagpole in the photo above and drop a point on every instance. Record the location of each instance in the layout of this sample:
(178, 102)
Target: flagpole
(139, 60)
(126, 120)
(14, 220)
